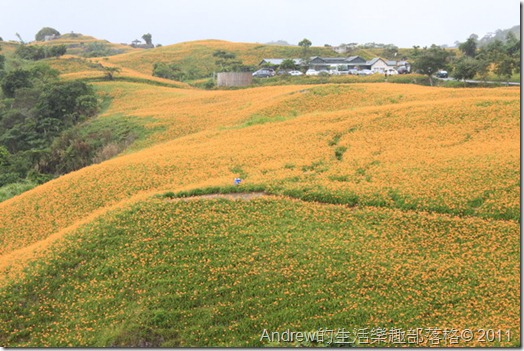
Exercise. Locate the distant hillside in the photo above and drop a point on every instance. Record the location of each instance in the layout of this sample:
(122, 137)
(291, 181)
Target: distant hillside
(195, 57)
(83, 45)
(499, 34)
(198, 55)
(279, 42)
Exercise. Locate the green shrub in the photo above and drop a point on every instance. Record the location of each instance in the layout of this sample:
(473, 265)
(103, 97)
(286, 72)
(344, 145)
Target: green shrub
(339, 152)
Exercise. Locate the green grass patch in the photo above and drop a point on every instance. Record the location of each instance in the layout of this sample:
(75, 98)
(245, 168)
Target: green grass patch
(339, 178)
(339, 152)
(217, 273)
(232, 189)
(334, 141)
(260, 119)
(11, 190)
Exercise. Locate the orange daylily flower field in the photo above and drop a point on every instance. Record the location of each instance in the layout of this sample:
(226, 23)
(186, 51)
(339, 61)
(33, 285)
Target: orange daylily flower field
(392, 206)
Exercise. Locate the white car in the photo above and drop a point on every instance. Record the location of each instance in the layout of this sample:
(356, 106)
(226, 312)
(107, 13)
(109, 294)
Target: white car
(312, 72)
(295, 73)
(391, 71)
(365, 72)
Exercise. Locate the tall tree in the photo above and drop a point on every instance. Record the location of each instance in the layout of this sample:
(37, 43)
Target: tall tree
(305, 44)
(465, 68)
(42, 33)
(2, 60)
(148, 39)
(505, 66)
(288, 64)
(469, 47)
(429, 60)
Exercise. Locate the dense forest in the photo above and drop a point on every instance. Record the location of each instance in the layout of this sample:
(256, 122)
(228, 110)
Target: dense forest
(48, 125)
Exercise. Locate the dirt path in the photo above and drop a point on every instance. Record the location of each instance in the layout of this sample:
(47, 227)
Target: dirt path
(230, 196)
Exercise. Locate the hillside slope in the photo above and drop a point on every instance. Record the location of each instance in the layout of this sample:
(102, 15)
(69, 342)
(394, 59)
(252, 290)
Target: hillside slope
(198, 55)
(434, 169)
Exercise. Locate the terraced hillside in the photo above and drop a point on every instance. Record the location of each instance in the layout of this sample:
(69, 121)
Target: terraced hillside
(387, 206)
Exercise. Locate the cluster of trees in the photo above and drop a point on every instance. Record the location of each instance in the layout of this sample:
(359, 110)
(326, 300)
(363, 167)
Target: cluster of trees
(228, 62)
(37, 52)
(98, 49)
(224, 62)
(174, 72)
(501, 58)
(36, 108)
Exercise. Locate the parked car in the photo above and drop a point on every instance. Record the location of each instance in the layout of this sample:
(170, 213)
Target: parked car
(365, 72)
(442, 74)
(312, 72)
(353, 71)
(391, 71)
(295, 73)
(402, 70)
(264, 73)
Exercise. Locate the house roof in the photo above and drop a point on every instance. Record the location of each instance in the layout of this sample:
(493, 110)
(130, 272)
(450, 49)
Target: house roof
(355, 58)
(337, 60)
(351, 60)
(373, 61)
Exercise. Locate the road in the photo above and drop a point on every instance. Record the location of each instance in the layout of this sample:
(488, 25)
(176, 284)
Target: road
(479, 81)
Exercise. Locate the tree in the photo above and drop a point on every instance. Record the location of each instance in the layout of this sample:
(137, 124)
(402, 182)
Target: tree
(57, 50)
(429, 61)
(483, 66)
(168, 71)
(505, 66)
(4, 156)
(469, 47)
(36, 52)
(110, 72)
(42, 33)
(68, 102)
(305, 44)
(390, 51)
(148, 39)
(288, 64)
(30, 52)
(20, 38)
(465, 68)
(14, 80)
(227, 61)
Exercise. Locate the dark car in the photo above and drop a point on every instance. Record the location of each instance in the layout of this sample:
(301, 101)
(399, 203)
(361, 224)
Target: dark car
(264, 73)
(441, 74)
